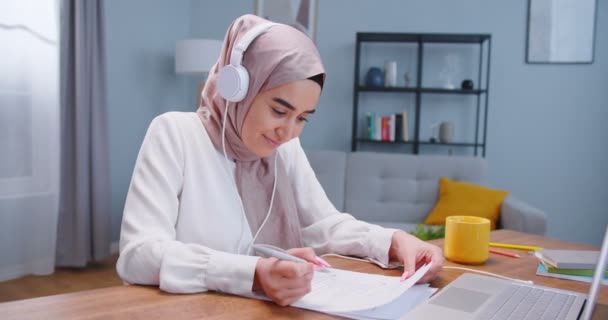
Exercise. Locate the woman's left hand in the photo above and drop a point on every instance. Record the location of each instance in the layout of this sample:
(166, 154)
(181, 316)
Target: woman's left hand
(413, 253)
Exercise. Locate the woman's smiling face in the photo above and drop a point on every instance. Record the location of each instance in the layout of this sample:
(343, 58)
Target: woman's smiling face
(279, 115)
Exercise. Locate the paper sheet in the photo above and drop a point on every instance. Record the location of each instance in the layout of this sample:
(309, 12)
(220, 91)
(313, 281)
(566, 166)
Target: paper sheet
(343, 291)
(396, 309)
(362, 295)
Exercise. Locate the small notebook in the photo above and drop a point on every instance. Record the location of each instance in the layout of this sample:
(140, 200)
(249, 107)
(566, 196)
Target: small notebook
(542, 271)
(569, 259)
(573, 272)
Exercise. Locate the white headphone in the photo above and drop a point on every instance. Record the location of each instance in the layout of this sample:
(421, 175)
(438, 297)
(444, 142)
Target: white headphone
(233, 79)
(233, 83)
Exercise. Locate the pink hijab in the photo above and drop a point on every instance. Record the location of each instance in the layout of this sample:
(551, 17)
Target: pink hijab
(280, 55)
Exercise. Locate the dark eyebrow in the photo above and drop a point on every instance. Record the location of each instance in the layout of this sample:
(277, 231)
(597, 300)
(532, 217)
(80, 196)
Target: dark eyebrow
(288, 105)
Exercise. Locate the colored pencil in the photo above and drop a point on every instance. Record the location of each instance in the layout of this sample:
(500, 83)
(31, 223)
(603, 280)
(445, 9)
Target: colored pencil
(514, 246)
(505, 253)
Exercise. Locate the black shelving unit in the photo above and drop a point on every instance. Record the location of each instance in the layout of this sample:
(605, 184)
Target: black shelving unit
(484, 41)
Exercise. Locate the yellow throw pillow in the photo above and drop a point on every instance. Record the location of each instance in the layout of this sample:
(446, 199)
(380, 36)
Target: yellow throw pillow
(466, 199)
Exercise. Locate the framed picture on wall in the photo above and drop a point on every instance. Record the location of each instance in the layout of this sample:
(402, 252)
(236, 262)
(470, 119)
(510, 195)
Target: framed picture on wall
(561, 31)
(301, 14)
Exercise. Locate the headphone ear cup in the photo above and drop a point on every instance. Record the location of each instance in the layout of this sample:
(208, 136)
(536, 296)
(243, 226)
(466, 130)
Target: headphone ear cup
(233, 83)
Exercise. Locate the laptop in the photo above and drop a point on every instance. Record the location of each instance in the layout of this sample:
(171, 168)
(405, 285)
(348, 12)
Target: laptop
(473, 296)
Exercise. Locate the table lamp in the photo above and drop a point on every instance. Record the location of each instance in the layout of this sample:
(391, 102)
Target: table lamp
(196, 57)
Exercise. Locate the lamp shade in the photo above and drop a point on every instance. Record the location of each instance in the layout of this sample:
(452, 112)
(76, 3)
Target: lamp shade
(196, 56)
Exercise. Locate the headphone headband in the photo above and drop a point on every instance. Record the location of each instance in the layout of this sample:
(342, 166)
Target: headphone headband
(236, 55)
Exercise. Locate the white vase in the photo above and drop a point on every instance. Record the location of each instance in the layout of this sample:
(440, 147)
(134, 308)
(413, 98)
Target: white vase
(390, 74)
(446, 132)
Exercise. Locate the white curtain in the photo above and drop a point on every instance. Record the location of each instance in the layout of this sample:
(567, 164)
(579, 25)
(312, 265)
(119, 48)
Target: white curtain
(29, 136)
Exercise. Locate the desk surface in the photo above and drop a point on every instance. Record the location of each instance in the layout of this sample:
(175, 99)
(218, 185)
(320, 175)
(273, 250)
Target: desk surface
(141, 302)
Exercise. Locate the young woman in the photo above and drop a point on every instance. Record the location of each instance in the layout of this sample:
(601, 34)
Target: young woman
(207, 185)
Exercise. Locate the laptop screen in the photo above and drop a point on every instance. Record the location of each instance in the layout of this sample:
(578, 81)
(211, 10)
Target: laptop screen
(597, 278)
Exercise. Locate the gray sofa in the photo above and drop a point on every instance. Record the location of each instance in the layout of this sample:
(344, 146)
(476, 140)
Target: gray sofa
(400, 190)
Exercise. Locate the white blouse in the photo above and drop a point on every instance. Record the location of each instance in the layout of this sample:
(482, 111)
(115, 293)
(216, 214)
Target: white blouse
(183, 227)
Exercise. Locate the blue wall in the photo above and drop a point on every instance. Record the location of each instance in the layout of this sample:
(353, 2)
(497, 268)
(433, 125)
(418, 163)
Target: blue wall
(546, 139)
(141, 37)
(545, 134)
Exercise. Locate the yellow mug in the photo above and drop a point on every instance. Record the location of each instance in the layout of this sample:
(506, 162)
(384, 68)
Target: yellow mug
(467, 239)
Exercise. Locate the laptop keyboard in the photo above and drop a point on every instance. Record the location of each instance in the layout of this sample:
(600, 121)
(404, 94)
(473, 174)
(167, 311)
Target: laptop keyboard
(528, 303)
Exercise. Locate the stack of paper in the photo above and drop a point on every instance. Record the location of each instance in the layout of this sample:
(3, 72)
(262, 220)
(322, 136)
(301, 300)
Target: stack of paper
(364, 296)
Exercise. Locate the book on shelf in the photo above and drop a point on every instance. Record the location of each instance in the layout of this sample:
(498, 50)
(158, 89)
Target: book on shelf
(393, 127)
(386, 136)
(377, 127)
(404, 127)
(569, 259)
(398, 126)
(542, 271)
(374, 126)
(371, 123)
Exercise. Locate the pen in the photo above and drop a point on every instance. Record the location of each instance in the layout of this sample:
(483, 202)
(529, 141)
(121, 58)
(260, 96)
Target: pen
(281, 254)
(505, 253)
(514, 246)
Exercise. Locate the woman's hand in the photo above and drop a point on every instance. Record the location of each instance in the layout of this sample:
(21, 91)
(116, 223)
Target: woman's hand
(285, 282)
(413, 253)
(309, 255)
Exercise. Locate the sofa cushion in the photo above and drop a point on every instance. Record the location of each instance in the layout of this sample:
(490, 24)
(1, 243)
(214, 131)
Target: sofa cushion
(384, 188)
(463, 198)
(402, 188)
(330, 169)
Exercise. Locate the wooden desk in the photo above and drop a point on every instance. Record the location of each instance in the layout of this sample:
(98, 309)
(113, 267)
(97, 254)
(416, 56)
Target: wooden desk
(140, 302)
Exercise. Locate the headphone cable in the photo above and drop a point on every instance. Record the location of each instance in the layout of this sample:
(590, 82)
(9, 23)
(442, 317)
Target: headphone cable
(274, 187)
(226, 166)
(444, 267)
